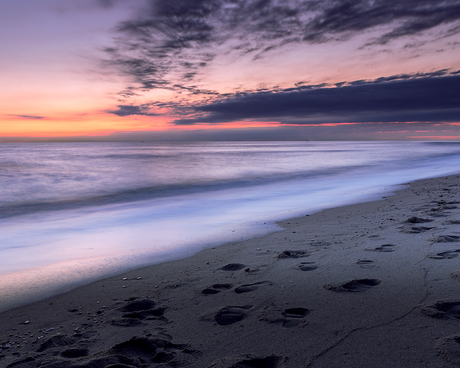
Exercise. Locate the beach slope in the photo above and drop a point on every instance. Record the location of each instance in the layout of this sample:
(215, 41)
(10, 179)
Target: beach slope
(367, 285)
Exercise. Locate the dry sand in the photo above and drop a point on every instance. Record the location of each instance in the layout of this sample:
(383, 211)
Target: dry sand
(367, 285)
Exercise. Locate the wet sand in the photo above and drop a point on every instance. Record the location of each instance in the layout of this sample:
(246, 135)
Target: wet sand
(367, 285)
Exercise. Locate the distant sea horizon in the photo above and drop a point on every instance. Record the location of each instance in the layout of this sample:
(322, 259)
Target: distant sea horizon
(74, 212)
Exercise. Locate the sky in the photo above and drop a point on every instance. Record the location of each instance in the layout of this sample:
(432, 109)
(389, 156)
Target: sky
(102, 70)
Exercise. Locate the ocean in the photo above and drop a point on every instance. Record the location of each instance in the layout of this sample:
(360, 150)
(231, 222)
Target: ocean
(71, 213)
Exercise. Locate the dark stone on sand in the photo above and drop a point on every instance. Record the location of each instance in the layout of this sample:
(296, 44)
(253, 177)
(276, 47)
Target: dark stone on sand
(354, 285)
(233, 267)
(230, 315)
(417, 220)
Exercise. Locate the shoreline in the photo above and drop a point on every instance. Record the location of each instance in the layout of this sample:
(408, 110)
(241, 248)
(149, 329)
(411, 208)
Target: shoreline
(352, 285)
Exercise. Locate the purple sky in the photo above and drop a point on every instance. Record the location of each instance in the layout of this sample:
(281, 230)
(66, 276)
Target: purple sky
(229, 69)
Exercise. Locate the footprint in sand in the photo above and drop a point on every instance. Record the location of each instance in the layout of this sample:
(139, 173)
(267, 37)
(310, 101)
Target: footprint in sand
(308, 266)
(232, 267)
(298, 312)
(139, 310)
(216, 288)
(230, 315)
(445, 255)
(443, 309)
(415, 229)
(446, 239)
(437, 212)
(292, 254)
(385, 248)
(366, 263)
(209, 291)
(288, 318)
(417, 220)
(141, 350)
(250, 287)
(56, 342)
(136, 352)
(455, 275)
(449, 348)
(248, 361)
(354, 285)
(139, 305)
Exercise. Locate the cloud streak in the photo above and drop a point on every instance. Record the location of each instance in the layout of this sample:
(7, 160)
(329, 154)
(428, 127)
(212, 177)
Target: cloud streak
(30, 117)
(128, 110)
(170, 42)
(341, 18)
(398, 99)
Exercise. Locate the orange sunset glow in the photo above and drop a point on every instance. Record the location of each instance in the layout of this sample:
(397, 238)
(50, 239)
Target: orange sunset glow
(111, 68)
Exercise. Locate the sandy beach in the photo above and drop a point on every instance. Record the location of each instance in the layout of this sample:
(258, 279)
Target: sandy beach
(367, 285)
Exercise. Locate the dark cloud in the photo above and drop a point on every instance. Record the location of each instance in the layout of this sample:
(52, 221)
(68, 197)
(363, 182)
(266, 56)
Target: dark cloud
(170, 41)
(127, 110)
(344, 18)
(395, 99)
(31, 117)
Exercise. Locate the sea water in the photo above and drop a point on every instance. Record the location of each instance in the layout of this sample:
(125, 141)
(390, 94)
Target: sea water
(71, 213)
